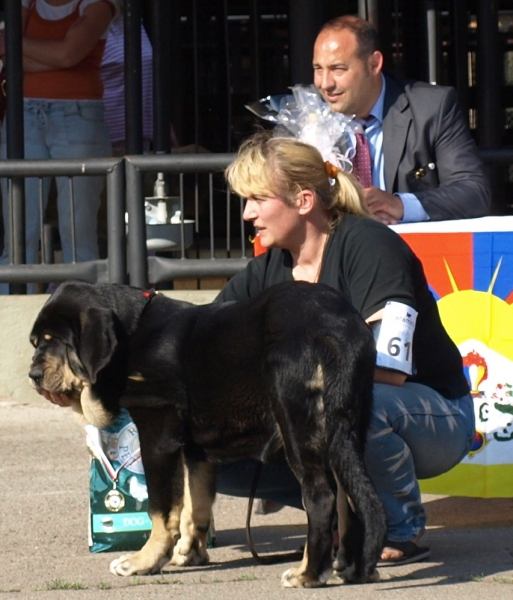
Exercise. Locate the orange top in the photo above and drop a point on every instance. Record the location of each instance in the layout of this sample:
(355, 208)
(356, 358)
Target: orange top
(257, 246)
(81, 82)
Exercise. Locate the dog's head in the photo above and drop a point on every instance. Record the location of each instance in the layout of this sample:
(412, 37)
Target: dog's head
(75, 337)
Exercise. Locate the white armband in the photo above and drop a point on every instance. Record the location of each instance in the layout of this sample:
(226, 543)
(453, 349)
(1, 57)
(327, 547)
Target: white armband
(394, 337)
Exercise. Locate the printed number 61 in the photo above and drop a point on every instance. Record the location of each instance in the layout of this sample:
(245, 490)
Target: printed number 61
(394, 348)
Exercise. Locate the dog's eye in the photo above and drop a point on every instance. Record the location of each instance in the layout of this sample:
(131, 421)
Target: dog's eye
(36, 340)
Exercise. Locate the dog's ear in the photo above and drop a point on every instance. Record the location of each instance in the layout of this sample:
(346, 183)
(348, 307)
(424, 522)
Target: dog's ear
(98, 340)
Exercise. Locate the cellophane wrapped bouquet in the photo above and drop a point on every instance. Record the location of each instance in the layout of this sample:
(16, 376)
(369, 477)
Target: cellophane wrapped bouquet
(306, 116)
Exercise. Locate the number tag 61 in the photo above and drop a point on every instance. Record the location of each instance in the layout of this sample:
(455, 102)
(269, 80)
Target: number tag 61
(395, 337)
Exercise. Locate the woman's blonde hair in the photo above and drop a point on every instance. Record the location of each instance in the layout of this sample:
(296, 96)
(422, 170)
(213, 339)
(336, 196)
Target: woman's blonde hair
(284, 166)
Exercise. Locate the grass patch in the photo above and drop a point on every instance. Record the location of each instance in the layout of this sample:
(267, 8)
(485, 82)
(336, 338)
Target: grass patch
(136, 581)
(477, 577)
(246, 578)
(502, 580)
(60, 584)
(104, 586)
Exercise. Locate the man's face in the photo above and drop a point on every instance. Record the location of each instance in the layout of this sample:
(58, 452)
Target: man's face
(349, 84)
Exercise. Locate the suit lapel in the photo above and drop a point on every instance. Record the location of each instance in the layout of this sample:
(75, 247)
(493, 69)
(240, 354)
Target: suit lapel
(396, 123)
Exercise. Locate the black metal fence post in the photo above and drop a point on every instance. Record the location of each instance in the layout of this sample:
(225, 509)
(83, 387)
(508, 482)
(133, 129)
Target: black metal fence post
(137, 252)
(117, 239)
(15, 133)
(165, 25)
(133, 77)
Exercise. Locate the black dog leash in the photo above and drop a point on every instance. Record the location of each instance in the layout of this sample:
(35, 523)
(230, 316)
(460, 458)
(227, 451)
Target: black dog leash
(269, 559)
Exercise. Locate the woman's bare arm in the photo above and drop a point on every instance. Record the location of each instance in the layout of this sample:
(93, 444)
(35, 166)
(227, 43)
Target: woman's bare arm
(78, 42)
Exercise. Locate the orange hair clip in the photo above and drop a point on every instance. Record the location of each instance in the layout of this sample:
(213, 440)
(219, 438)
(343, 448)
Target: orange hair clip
(331, 170)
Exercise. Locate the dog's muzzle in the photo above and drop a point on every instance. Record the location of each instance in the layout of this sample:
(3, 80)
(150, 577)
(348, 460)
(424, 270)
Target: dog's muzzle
(36, 376)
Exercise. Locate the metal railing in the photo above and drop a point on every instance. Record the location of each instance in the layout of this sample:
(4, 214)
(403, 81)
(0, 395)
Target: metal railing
(113, 268)
(211, 239)
(208, 209)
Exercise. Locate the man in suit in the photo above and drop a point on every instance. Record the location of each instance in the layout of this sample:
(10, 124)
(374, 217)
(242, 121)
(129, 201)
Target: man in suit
(424, 162)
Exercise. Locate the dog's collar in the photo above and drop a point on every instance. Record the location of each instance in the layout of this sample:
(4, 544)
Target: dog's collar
(148, 295)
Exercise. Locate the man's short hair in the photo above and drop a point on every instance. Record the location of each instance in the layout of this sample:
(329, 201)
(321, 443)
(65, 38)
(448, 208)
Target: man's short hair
(366, 36)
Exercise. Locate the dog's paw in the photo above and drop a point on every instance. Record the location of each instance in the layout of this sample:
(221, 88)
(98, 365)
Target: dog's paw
(124, 566)
(135, 564)
(298, 578)
(189, 552)
(352, 577)
(340, 564)
(374, 577)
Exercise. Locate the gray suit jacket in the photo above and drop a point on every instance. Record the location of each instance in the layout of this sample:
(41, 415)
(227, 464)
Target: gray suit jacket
(428, 150)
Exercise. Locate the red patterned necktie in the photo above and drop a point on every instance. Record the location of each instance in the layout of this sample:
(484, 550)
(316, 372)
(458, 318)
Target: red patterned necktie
(362, 161)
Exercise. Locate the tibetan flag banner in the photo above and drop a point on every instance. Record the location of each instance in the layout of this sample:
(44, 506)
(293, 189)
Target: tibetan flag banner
(469, 268)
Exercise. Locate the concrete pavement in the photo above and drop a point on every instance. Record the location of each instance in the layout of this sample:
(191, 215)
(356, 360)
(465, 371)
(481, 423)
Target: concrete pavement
(43, 534)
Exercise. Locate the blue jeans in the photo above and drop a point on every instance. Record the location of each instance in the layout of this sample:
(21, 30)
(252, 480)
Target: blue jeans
(414, 433)
(61, 129)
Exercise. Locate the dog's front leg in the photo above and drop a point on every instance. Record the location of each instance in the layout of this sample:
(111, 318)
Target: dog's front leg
(199, 495)
(164, 478)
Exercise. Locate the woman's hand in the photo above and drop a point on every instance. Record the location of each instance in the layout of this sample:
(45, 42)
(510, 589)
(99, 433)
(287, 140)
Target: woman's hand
(54, 398)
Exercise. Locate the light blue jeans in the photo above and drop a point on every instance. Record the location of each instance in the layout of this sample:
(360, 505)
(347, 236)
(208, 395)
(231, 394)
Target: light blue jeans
(61, 129)
(415, 433)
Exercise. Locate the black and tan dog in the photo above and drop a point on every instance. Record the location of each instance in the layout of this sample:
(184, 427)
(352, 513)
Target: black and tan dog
(218, 383)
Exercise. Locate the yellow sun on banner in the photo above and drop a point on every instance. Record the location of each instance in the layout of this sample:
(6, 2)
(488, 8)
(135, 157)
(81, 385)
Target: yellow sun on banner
(469, 314)
(481, 325)
(469, 268)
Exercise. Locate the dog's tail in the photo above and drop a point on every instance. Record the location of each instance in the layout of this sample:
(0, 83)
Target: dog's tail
(348, 365)
(346, 461)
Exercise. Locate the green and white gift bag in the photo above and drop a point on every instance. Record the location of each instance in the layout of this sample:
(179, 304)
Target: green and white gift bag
(118, 497)
(118, 500)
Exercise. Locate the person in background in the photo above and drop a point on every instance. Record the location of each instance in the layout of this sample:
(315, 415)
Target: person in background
(63, 44)
(113, 75)
(313, 222)
(424, 162)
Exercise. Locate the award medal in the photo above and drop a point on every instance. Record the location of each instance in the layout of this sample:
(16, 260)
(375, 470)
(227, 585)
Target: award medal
(114, 500)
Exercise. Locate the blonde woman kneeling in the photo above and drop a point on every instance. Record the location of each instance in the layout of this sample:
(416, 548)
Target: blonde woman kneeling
(312, 221)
